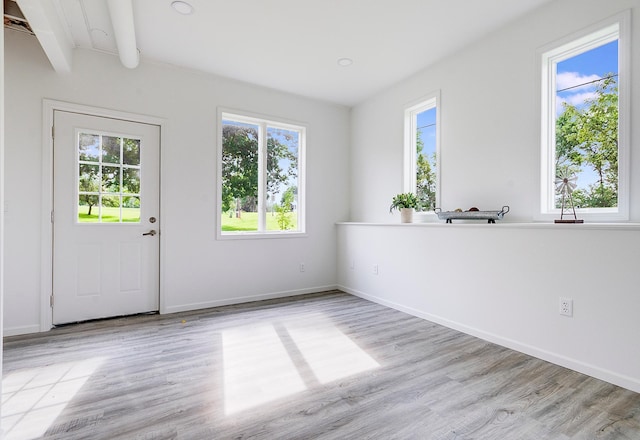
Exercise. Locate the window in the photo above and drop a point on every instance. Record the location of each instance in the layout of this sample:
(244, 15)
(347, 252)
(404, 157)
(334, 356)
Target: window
(584, 86)
(108, 178)
(422, 152)
(261, 178)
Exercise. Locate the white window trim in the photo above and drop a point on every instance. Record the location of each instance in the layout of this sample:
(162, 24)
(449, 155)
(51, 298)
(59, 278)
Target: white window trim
(263, 121)
(615, 27)
(427, 102)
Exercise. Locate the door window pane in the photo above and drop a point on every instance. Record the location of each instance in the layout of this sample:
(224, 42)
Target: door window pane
(88, 209)
(111, 149)
(108, 179)
(111, 179)
(89, 178)
(89, 147)
(131, 181)
(110, 209)
(131, 209)
(131, 151)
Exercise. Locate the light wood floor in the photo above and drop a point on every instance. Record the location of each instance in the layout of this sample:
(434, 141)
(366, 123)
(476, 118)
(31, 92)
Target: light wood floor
(322, 366)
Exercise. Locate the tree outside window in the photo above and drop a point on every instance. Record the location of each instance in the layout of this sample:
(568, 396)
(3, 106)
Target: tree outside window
(260, 176)
(421, 153)
(587, 125)
(584, 133)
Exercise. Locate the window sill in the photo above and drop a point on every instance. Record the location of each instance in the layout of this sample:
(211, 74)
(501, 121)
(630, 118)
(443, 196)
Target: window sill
(589, 216)
(260, 235)
(627, 226)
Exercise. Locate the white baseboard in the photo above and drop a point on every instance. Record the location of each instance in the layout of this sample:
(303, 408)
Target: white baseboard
(22, 330)
(244, 299)
(629, 383)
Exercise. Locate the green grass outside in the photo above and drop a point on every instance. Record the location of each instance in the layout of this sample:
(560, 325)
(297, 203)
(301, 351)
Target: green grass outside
(109, 215)
(249, 222)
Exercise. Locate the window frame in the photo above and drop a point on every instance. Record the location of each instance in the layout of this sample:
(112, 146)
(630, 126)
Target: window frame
(100, 164)
(263, 122)
(427, 102)
(614, 28)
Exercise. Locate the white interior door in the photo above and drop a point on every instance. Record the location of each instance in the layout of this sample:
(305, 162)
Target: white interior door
(106, 217)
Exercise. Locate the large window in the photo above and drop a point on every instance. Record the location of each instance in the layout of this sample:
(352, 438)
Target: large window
(261, 178)
(422, 152)
(583, 133)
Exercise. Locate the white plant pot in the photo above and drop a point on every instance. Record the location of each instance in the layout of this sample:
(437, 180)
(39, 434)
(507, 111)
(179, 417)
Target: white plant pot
(406, 215)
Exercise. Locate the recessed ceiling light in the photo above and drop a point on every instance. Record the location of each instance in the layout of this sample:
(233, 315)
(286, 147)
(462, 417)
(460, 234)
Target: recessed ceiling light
(183, 8)
(344, 62)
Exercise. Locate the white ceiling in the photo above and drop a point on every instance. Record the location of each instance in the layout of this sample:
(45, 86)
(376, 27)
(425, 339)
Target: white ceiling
(294, 45)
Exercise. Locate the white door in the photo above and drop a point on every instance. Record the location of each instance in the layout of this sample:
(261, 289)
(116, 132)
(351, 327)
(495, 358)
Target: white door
(106, 217)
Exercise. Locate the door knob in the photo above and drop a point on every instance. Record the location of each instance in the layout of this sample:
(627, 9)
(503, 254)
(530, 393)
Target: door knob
(151, 232)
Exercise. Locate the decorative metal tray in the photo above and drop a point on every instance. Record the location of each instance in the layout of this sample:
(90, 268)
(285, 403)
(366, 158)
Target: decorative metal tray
(490, 216)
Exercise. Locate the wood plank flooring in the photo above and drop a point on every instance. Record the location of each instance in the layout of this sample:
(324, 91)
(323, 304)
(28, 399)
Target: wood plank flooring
(321, 366)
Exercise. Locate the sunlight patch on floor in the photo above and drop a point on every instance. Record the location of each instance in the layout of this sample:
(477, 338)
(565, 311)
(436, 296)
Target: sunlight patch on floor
(259, 368)
(331, 354)
(33, 398)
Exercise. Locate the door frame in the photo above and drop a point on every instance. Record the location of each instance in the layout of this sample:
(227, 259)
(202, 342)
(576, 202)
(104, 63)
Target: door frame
(49, 106)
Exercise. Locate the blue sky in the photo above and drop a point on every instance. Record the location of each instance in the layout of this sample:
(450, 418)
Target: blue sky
(583, 68)
(601, 60)
(427, 129)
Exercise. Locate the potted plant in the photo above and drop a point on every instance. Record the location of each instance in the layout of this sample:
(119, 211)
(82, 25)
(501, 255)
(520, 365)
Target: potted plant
(406, 203)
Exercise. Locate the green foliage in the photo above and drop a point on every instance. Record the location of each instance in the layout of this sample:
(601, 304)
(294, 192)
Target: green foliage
(116, 178)
(588, 137)
(109, 215)
(239, 164)
(88, 182)
(425, 178)
(404, 200)
(276, 151)
(285, 208)
(240, 167)
(249, 222)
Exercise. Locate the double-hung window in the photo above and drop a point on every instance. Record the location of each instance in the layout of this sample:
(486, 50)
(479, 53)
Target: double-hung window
(421, 152)
(584, 138)
(261, 180)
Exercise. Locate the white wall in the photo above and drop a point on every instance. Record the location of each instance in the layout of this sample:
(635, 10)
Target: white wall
(490, 121)
(1, 202)
(198, 270)
(503, 283)
(500, 282)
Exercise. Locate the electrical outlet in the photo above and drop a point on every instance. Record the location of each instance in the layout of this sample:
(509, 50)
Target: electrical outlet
(352, 265)
(301, 267)
(566, 306)
(375, 269)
